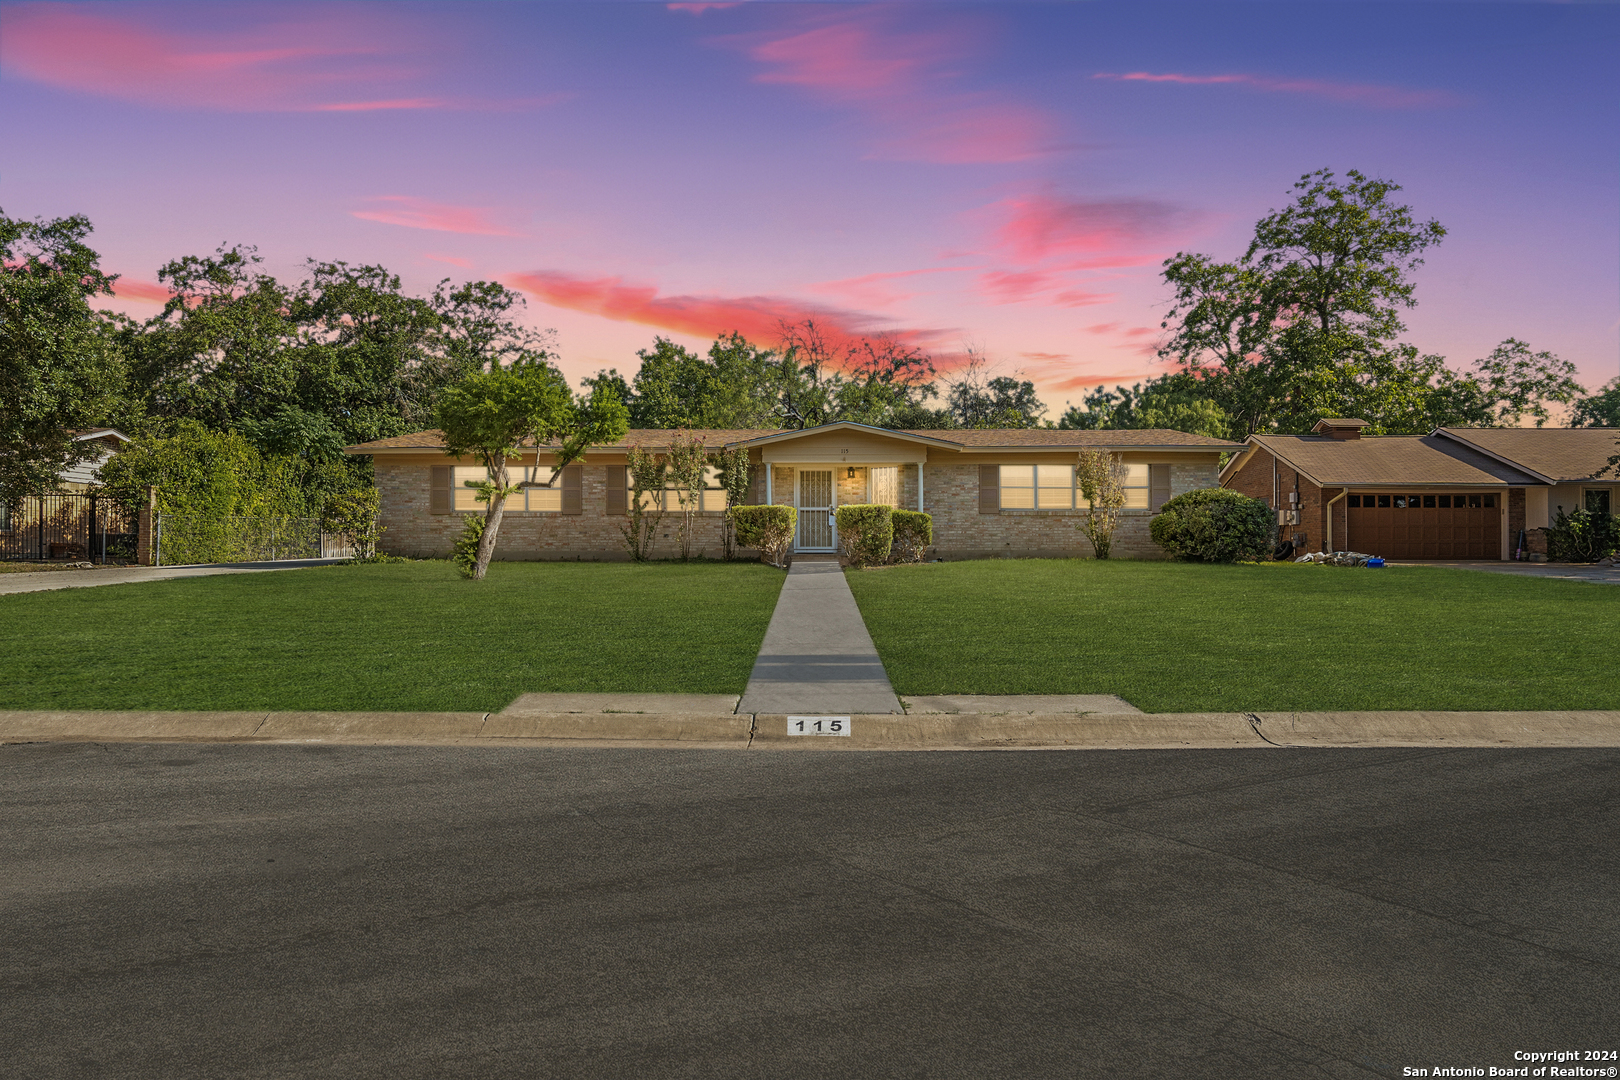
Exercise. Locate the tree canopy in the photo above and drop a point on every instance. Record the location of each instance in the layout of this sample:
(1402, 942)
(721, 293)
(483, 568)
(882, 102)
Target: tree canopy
(60, 366)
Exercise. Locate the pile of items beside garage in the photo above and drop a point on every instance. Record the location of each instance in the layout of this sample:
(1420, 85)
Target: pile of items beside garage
(1341, 558)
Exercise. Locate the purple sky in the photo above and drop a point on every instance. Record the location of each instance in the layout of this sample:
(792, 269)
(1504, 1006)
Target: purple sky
(1006, 176)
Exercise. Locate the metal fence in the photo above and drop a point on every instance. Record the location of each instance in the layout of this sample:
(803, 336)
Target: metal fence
(84, 527)
(180, 539)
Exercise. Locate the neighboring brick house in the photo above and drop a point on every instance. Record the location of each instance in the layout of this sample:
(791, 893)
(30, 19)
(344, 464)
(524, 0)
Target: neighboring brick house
(998, 493)
(1456, 493)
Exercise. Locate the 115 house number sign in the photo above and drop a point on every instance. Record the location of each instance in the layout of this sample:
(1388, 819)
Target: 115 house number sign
(818, 725)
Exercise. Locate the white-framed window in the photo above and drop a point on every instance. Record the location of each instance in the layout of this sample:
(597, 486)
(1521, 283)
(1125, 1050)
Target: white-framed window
(1037, 487)
(673, 499)
(531, 499)
(1138, 485)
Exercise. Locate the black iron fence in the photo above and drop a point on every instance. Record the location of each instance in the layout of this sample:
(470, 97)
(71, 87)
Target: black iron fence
(91, 528)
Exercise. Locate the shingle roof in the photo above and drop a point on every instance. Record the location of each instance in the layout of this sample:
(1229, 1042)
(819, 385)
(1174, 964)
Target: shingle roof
(991, 438)
(1390, 459)
(1060, 438)
(433, 439)
(1556, 453)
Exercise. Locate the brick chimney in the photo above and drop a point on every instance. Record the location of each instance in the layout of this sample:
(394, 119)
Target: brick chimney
(1343, 429)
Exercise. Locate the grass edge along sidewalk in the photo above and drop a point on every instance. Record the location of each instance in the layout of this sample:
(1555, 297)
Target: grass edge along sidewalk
(961, 731)
(401, 637)
(1180, 637)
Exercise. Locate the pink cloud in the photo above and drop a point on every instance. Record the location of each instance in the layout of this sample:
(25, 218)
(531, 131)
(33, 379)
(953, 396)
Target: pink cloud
(1109, 232)
(698, 7)
(757, 318)
(872, 290)
(131, 289)
(440, 217)
(1384, 97)
(453, 260)
(338, 58)
(1087, 380)
(906, 83)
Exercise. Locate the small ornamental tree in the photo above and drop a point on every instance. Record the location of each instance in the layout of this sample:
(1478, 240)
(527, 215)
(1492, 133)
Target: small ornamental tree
(688, 466)
(641, 526)
(733, 465)
(490, 414)
(1101, 476)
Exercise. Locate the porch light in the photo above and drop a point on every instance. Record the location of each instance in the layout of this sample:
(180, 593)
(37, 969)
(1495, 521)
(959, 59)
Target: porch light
(852, 472)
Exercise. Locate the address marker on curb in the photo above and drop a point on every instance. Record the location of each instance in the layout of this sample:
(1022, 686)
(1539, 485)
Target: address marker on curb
(818, 725)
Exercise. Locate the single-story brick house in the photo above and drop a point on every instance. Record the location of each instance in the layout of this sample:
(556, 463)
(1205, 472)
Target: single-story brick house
(1455, 493)
(992, 493)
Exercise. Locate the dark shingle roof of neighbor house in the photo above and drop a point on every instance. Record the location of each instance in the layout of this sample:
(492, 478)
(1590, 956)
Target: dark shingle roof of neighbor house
(993, 438)
(1555, 453)
(1389, 460)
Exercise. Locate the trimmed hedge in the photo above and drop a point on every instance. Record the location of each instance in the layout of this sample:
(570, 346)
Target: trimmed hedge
(1214, 525)
(866, 532)
(767, 528)
(913, 534)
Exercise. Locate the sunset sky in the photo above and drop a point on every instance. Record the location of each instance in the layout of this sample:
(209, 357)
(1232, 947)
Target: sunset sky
(1002, 175)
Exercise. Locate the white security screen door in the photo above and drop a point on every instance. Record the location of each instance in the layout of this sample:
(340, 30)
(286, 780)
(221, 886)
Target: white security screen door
(815, 511)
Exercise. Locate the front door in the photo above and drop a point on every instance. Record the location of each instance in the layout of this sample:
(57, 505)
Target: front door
(816, 532)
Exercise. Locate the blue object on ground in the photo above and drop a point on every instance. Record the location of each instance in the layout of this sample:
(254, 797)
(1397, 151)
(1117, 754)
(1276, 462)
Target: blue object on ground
(1375, 562)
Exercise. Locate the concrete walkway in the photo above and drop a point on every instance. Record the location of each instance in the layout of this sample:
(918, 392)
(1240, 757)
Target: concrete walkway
(817, 656)
(46, 580)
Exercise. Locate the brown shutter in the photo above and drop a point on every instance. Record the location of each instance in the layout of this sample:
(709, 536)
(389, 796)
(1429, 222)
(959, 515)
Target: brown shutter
(756, 483)
(440, 493)
(1158, 486)
(989, 489)
(618, 495)
(573, 489)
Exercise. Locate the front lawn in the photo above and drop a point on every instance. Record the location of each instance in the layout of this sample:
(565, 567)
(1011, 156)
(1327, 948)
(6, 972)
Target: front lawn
(401, 637)
(1176, 637)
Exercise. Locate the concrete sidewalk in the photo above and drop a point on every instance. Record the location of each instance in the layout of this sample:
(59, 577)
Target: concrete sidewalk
(760, 731)
(817, 657)
(47, 580)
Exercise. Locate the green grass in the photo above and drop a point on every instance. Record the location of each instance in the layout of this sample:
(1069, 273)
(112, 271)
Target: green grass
(1172, 637)
(387, 637)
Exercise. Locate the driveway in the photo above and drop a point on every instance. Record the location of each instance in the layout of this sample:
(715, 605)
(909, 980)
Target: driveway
(46, 580)
(314, 911)
(1605, 575)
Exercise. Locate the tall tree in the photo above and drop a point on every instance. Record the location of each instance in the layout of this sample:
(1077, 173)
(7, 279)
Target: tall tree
(61, 368)
(1309, 314)
(492, 414)
(976, 400)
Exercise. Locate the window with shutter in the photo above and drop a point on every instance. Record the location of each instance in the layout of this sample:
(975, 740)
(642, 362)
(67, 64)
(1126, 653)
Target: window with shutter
(440, 496)
(1159, 486)
(989, 489)
(618, 490)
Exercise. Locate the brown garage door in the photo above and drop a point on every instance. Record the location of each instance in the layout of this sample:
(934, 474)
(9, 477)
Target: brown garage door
(1449, 525)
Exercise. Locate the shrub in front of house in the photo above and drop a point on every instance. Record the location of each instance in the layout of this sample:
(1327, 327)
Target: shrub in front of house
(1584, 536)
(769, 529)
(913, 534)
(866, 532)
(1215, 525)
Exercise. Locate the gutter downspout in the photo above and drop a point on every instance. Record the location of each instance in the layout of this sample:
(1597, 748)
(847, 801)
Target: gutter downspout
(1342, 493)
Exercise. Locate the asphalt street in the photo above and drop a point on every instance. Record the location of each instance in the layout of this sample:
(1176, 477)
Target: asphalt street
(198, 910)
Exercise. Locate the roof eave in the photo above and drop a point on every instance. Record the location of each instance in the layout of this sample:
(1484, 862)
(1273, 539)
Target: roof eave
(847, 425)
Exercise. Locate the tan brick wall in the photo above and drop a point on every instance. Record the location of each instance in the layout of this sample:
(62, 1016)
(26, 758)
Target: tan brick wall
(411, 530)
(1255, 481)
(950, 493)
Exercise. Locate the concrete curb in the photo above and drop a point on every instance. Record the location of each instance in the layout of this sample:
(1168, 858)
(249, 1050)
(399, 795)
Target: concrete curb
(951, 731)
